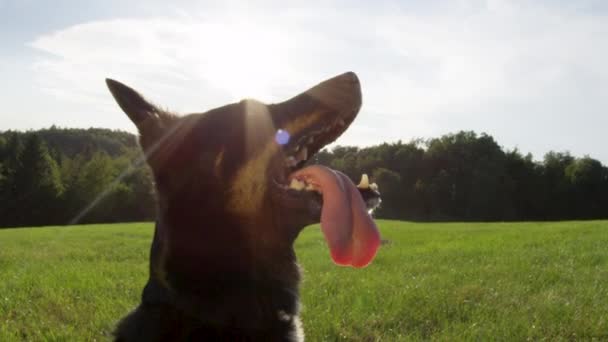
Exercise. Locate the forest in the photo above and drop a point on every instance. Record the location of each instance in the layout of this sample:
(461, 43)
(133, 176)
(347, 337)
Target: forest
(60, 176)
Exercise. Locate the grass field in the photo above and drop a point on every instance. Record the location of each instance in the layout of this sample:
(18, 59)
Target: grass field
(497, 281)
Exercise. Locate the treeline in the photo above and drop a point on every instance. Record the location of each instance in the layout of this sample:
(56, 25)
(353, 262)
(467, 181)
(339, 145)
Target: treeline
(63, 176)
(469, 177)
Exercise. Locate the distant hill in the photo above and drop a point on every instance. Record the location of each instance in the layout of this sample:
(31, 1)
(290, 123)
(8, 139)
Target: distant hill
(73, 141)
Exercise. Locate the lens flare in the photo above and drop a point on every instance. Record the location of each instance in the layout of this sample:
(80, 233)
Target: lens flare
(282, 137)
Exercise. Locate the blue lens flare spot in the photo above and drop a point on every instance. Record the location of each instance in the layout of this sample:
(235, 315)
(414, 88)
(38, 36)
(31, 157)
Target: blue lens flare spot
(282, 137)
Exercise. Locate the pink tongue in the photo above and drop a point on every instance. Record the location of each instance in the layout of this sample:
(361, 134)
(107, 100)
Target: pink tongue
(351, 234)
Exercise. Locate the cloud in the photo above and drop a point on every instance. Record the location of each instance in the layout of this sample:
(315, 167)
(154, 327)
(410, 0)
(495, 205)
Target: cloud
(524, 73)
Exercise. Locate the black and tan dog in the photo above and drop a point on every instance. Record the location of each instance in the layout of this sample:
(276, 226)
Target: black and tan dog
(233, 194)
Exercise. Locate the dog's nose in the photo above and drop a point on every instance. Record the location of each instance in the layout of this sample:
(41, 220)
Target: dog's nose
(351, 77)
(342, 92)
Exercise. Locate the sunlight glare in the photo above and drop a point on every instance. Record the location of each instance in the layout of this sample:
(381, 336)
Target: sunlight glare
(241, 58)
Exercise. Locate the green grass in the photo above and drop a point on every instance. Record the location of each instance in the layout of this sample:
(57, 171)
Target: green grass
(459, 281)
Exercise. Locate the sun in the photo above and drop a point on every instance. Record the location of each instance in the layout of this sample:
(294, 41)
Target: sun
(242, 59)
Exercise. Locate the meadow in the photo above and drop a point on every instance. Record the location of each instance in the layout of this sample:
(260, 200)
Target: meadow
(430, 281)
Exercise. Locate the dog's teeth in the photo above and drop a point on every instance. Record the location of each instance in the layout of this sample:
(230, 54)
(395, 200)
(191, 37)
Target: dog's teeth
(291, 161)
(310, 187)
(296, 184)
(364, 183)
(374, 186)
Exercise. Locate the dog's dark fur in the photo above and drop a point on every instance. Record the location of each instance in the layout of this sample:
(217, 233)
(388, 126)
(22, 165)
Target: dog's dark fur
(222, 264)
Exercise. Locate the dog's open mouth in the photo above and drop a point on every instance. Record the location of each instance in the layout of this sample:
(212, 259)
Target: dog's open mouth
(342, 206)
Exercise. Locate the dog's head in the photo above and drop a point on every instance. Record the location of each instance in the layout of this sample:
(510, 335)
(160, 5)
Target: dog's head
(232, 185)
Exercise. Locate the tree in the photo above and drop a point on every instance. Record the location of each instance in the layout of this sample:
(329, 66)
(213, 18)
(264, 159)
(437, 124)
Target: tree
(347, 162)
(389, 184)
(559, 199)
(134, 198)
(587, 179)
(36, 186)
(91, 188)
(526, 189)
(469, 177)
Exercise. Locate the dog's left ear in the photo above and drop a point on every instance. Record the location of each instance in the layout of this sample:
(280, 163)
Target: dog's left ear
(150, 120)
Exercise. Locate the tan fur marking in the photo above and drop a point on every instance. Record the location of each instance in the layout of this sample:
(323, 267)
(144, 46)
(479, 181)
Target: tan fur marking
(249, 186)
(302, 122)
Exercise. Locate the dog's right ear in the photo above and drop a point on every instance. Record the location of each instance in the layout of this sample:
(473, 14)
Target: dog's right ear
(149, 119)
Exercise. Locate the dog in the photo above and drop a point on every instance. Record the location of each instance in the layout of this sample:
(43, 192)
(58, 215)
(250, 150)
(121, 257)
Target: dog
(234, 189)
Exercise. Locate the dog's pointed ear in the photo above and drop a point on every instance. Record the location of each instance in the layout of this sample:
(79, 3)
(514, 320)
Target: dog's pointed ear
(149, 119)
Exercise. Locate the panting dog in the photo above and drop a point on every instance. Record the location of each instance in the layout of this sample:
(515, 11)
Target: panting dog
(234, 190)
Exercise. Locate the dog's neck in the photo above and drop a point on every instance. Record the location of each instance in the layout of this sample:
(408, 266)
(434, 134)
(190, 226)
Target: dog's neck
(254, 300)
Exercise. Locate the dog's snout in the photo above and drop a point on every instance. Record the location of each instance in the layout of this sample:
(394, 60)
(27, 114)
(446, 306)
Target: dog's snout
(341, 93)
(351, 77)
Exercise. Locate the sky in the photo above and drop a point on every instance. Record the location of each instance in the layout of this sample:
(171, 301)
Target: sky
(532, 74)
